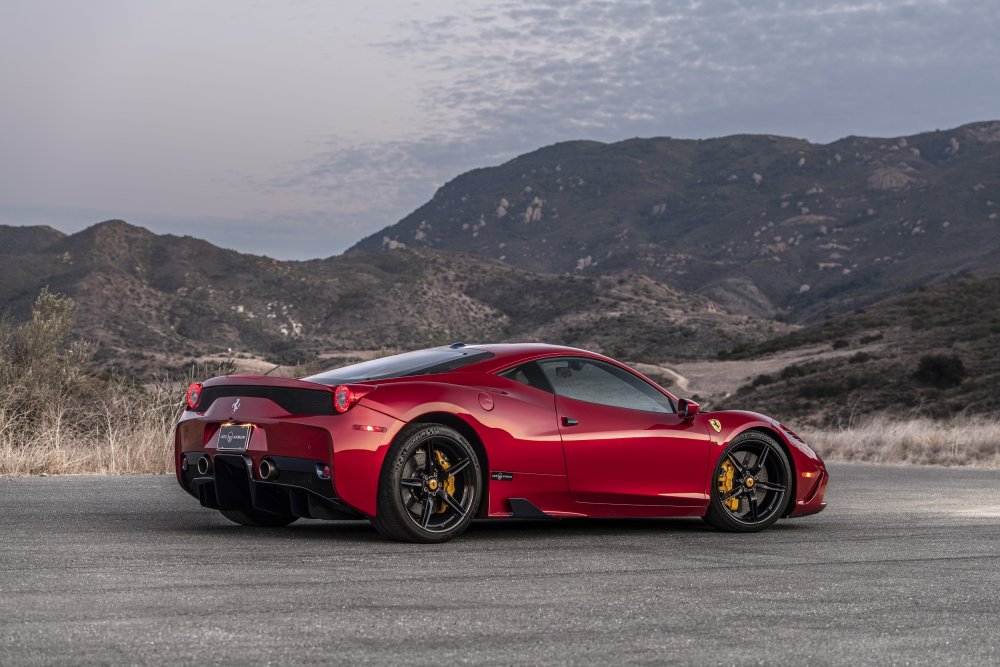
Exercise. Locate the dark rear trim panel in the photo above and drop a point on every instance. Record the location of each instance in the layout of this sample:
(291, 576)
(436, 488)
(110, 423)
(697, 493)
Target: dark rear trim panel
(293, 401)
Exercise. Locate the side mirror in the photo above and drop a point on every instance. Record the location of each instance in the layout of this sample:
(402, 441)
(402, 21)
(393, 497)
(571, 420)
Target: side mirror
(687, 408)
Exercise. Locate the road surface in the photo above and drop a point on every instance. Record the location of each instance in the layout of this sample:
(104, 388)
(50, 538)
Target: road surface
(902, 568)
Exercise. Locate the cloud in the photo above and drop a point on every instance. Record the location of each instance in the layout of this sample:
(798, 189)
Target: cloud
(516, 75)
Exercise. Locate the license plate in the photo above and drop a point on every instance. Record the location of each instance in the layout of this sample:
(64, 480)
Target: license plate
(235, 437)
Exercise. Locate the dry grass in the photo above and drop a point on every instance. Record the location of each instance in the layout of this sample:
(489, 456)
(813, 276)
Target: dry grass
(127, 435)
(58, 416)
(125, 430)
(974, 441)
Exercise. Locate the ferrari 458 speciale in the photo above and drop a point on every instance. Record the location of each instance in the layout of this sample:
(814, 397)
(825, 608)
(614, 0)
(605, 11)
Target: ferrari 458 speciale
(422, 443)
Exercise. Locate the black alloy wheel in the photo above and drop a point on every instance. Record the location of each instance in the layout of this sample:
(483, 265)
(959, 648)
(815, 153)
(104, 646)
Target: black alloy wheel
(752, 485)
(430, 485)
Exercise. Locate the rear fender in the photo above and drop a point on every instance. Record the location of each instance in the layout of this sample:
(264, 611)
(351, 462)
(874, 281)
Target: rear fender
(512, 428)
(361, 439)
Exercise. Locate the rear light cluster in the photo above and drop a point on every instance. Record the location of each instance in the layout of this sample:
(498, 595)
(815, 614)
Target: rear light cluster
(343, 398)
(194, 396)
(346, 396)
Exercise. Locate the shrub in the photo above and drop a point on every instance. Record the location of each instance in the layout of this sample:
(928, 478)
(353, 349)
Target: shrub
(762, 380)
(57, 415)
(840, 344)
(822, 389)
(39, 364)
(795, 371)
(860, 358)
(940, 370)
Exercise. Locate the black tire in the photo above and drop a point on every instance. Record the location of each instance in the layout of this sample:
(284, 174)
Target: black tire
(260, 519)
(421, 502)
(759, 488)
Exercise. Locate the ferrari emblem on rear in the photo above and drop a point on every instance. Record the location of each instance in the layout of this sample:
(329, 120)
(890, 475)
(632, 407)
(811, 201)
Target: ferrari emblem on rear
(236, 405)
(714, 423)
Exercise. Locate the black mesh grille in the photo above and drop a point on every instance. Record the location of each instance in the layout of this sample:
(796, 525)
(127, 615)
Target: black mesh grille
(293, 401)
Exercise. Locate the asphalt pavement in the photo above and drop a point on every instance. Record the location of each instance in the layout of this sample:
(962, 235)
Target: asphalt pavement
(902, 568)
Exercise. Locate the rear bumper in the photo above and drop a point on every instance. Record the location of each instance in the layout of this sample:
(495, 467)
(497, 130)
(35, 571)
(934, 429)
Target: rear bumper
(296, 491)
(352, 444)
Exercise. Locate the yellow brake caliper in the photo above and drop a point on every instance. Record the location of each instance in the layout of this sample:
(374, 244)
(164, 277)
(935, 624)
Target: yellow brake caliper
(726, 484)
(449, 486)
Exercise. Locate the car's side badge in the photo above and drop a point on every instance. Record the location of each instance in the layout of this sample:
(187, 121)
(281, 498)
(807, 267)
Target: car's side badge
(714, 423)
(501, 476)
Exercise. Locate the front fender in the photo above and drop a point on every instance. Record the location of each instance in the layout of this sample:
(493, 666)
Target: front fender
(809, 476)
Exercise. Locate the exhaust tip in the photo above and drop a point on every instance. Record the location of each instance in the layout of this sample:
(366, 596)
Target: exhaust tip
(268, 469)
(204, 465)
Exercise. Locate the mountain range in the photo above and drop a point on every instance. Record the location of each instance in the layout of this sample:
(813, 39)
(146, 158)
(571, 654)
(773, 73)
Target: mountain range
(767, 251)
(159, 300)
(770, 226)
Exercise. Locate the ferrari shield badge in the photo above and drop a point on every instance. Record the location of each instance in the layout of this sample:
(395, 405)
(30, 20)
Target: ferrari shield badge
(714, 423)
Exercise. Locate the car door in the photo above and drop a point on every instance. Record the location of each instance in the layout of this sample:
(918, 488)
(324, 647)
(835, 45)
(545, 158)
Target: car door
(623, 440)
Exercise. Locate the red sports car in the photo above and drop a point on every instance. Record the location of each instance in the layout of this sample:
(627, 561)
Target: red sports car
(421, 443)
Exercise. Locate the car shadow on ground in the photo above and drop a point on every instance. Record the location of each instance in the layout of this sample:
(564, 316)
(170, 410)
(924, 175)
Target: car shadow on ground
(604, 527)
(482, 529)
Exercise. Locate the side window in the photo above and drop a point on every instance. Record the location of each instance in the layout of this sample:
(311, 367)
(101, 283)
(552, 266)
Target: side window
(597, 382)
(529, 374)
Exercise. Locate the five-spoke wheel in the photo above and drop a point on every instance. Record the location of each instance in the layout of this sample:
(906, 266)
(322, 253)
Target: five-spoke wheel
(752, 484)
(430, 487)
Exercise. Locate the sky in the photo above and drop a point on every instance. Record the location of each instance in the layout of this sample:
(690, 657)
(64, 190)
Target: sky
(295, 128)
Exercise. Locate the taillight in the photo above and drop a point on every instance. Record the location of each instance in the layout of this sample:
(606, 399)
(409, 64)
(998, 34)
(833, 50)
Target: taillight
(194, 396)
(343, 398)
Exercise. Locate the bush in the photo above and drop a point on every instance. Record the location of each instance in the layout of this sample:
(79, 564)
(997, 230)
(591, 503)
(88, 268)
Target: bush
(39, 365)
(57, 415)
(795, 371)
(840, 344)
(762, 380)
(940, 370)
(822, 389)
(860, 358)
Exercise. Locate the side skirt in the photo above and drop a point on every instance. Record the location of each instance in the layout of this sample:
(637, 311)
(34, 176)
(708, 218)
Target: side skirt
(525, 509)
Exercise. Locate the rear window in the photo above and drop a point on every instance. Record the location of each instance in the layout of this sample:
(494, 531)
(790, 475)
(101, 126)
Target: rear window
(420, 362)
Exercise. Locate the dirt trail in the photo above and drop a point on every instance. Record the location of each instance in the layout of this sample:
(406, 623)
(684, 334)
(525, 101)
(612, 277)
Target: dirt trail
(718, 379)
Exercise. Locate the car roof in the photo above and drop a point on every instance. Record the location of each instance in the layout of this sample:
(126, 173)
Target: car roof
(509, 354)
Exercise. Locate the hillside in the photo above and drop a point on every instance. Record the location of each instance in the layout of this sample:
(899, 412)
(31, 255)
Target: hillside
(767, 225)
(869, 361)
(21, 240)
(157, 301)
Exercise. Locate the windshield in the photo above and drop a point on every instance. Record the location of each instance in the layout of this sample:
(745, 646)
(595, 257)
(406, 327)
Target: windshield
(420, 362)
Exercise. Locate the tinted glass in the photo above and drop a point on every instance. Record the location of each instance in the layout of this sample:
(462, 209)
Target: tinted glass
(420, 362)
(529, 374)
(598, 382)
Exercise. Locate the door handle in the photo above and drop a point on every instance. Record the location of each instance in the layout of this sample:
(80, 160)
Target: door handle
(569, 421)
